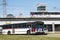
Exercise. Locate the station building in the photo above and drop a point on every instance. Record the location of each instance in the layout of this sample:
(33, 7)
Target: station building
(51, 19)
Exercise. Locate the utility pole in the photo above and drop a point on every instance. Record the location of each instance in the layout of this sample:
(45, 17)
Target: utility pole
(4, 8)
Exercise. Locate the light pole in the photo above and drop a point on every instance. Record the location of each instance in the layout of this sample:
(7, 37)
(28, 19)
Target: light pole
(4, 7)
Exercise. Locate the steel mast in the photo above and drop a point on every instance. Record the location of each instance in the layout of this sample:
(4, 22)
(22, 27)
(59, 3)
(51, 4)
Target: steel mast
(4, 8)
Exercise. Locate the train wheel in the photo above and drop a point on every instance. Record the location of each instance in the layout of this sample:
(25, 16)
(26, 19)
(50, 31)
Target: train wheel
(28, 32)
(9, 33)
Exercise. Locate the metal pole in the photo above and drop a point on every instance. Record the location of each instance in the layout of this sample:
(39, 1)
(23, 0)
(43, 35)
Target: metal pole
(53, 27)
(4, 8)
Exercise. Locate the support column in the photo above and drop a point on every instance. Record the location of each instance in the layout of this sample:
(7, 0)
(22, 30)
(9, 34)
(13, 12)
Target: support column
(47, 28)
(53, 28)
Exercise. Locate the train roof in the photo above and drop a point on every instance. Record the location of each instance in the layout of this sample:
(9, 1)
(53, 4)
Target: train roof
(24, 22)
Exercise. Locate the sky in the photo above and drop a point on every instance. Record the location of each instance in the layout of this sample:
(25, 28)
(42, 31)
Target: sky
(16, 7)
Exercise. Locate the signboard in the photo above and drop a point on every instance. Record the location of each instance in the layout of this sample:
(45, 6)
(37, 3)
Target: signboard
(8, 22)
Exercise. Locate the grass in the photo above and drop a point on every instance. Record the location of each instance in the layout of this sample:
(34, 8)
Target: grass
(27, 37)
